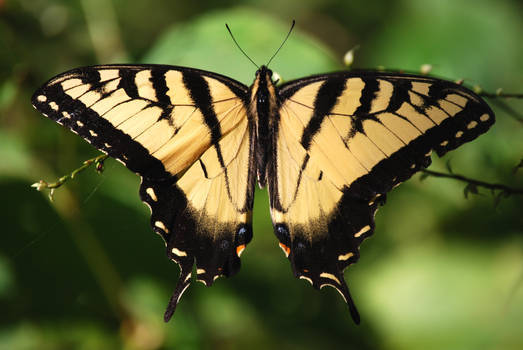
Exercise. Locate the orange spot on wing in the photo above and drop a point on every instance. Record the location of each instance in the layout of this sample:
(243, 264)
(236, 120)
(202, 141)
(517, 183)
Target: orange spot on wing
(285, 249)
(239, 249)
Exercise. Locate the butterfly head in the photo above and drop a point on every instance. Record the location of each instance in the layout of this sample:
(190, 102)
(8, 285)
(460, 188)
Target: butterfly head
(263, 90)
(264, 73)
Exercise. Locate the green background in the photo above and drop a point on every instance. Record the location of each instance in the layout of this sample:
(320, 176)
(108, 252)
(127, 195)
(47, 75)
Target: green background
(86, 271)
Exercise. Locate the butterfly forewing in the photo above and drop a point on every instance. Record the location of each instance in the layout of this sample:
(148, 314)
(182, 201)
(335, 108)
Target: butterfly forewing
(186, 132)
(343, 141)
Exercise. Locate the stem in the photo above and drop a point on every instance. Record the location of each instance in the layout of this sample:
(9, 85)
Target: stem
(499, 187)
(509, 110)
(97, 161)
(500, 94)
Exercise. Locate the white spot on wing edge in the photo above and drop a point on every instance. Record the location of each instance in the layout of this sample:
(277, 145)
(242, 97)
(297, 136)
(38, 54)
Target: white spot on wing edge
(345, 257)
(204, 282)
(335, 287)
(188, 277)
(362, 231)
(200, 271)
(306, 279)
(41, 98)
(53, 106)
(121, 161)
(160, 224)
(484, 117)
(150, 192)
(330, 276)
(178, 252)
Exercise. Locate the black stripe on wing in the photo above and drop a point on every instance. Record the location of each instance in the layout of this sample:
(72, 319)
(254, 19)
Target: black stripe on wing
(368, 94)
(201, 95)
(326, 98)
(72, 113)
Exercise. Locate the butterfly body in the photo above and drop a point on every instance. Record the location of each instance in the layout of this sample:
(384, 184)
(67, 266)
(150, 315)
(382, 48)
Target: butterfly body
(328, 148)
(263, 111)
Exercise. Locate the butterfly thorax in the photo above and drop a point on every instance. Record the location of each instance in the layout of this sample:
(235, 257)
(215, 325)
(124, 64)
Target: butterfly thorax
(263, 108)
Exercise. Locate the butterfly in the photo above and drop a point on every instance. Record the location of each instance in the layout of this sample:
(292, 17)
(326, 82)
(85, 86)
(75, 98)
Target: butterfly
(328, 147)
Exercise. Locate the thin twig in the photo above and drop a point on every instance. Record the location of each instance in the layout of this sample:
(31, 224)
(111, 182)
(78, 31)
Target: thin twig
(509, 110)
(500, 95)
(507, 190)
(44, 185)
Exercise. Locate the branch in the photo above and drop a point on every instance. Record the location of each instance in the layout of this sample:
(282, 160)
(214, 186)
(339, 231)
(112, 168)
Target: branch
(472, 185)
(44, 185)
(509, 110)
(501, 104)
(499, 94)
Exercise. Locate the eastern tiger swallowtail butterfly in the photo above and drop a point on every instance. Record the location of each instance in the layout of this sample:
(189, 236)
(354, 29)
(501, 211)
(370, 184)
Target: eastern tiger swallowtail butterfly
(328, 147)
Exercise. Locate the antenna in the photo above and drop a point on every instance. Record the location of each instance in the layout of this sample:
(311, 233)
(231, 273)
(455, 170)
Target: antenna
(233, 39)
(287, 37)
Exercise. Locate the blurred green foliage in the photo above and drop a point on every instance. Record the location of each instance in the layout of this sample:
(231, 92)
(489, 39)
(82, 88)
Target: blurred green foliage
(85, 272)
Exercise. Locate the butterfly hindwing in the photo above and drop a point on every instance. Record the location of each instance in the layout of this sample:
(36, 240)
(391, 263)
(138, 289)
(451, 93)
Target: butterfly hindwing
(343, 141)
(187, 134)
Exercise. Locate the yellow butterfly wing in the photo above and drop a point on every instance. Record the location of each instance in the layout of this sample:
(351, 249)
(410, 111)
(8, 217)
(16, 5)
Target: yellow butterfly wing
(186, 133)
(343, 141)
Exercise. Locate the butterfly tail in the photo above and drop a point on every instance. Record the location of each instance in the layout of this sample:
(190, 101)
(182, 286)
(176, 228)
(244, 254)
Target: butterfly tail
(344, 291)
(183, 283)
